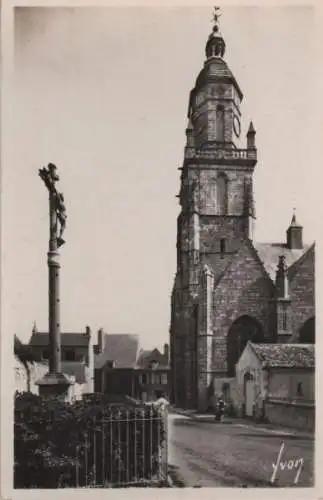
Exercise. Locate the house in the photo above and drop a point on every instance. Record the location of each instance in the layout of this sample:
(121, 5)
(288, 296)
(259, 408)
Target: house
(152, 374)
(122, 368)
(76, 357)
(277, 382)
(114, 363)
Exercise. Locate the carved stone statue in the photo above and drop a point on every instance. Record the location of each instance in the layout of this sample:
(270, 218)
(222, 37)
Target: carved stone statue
(50, 176)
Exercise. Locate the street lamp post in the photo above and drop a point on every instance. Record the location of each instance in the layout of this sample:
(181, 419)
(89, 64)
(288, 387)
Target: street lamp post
(54, 383)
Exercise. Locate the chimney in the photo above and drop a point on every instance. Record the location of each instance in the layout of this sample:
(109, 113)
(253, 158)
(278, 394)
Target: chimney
(88, 331)
(100, 340)
(166, 352)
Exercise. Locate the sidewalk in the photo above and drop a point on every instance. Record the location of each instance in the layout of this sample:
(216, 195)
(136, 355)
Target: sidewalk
(241, 422)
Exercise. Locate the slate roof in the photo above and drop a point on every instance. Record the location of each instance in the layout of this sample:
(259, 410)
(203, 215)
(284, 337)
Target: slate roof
(285, 355)
(121, 348)
(269, 255)
(40, 339)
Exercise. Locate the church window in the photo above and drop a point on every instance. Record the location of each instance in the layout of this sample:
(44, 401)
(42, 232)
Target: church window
(284, 319)
(209, 200)
(220, 124)
(222, 194)
(222, 246)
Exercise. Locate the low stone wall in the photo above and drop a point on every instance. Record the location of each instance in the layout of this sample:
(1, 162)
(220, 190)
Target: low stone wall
(294, 414)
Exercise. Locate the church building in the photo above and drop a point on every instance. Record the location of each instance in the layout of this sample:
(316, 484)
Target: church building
(228, 288)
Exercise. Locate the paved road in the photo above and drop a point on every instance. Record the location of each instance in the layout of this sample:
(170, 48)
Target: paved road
(210, 454)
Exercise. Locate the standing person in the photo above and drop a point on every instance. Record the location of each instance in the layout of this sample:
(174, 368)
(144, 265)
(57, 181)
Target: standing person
(214, 404)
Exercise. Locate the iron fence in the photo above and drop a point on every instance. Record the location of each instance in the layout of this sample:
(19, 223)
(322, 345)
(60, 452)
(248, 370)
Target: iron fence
(125, 448)
(88, 444)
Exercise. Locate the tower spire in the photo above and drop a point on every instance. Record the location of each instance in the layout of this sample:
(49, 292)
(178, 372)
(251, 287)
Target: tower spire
(294, 233)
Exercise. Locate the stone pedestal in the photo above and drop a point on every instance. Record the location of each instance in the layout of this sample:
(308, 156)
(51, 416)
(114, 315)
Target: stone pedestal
(54, 385)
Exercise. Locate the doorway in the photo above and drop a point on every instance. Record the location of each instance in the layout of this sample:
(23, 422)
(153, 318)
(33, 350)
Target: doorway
(249, 394)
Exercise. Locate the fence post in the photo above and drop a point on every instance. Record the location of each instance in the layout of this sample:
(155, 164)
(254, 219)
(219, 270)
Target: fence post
(119, 444)
(166, 440)
(86, 458)
(127, 447)
(94, 452)
(135, 444)
(111, 454)
(151, 415)
(143, 443)
(103, 453)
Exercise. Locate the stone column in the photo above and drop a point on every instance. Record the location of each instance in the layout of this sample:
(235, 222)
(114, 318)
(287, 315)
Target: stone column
(54, 383)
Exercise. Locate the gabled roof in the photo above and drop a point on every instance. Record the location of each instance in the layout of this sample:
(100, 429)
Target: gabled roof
(285, 355)
(269, 255)
(122, 348)
(40, 339)
(245, 242)
(146, 357)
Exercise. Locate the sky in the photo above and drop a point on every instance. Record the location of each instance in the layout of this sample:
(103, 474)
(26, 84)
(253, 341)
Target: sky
(103, 94)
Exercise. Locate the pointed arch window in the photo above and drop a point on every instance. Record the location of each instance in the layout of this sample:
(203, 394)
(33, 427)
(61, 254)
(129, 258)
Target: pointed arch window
(220, 124)
(222, 194)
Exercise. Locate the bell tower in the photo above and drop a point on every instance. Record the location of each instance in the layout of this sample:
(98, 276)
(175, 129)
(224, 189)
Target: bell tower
(216, 194)
(216, 214)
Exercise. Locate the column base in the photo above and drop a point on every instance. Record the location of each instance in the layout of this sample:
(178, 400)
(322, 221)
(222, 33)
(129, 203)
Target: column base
(54, 384)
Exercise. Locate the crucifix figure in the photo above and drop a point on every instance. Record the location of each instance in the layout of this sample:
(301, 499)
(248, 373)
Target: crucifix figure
(57, 204)
(61, 214)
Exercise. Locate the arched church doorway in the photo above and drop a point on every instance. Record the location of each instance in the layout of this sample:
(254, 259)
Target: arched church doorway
(307, 332)
(243, 329)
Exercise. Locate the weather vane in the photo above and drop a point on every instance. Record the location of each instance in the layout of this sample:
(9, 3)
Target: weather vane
(216, 14)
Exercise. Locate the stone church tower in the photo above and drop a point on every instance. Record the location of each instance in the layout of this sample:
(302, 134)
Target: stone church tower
(227, 288)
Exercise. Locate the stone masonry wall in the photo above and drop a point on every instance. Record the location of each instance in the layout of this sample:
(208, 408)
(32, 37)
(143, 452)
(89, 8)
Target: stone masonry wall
(243, 290)
(298, 416)
(302, 293)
